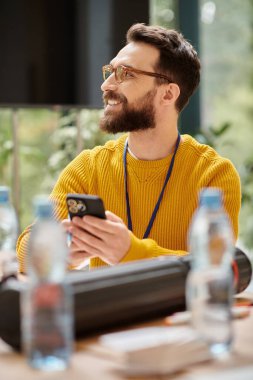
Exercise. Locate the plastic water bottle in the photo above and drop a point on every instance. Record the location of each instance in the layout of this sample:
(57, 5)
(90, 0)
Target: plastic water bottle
(46, 303)
(209, 285)
(8, 235)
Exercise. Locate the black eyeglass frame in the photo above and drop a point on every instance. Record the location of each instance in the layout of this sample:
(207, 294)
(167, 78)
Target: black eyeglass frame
(121, 69)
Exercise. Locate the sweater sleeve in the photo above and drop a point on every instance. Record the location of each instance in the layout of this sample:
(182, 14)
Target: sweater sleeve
(146, 249)
(224, 176)
(22, 248)
(73, 179)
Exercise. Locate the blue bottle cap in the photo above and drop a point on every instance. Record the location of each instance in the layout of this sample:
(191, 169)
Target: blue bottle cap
(4, 194)
(43, 207)
(211, 198)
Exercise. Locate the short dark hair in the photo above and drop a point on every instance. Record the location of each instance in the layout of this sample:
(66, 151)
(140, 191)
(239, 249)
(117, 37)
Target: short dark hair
(178, 59)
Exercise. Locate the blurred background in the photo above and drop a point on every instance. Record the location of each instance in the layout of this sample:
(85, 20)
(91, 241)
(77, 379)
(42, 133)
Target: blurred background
(51, 54)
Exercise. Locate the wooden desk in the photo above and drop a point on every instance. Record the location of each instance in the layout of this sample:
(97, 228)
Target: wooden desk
(85, 365)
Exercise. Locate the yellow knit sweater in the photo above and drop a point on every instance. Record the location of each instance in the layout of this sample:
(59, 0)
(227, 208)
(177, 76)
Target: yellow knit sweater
(100, 171)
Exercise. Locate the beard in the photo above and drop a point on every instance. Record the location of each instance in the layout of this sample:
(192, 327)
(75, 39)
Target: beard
(139, 117)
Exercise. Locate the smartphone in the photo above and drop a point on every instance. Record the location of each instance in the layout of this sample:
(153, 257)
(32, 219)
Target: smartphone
(84, 204)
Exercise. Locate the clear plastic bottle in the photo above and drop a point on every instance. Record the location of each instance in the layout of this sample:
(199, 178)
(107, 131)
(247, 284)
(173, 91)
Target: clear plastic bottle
(46, 303)
(209, 285)
(8, 235)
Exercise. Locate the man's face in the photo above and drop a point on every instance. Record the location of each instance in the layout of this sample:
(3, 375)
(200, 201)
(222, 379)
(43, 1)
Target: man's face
(130, 105)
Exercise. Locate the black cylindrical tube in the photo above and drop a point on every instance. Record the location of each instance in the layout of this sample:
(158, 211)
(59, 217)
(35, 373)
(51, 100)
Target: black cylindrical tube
(115, 296)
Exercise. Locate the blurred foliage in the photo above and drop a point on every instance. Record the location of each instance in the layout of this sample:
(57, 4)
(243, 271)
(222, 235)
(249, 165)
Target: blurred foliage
(163, 12)
(6, 147)
(66, 138)
(209, 136)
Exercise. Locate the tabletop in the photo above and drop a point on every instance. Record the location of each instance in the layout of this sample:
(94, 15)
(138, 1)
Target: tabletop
(87, 364)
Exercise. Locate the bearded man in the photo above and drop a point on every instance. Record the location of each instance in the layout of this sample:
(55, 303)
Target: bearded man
(150, 177)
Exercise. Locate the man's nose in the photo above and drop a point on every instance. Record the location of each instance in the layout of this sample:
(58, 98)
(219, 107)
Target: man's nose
(109, 83)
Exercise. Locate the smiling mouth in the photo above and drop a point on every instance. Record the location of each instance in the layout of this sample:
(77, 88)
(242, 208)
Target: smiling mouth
(113, 102)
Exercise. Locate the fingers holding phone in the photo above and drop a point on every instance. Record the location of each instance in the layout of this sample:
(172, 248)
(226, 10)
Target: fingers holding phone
(80, 205)
(107, 239)
(77, 256)
(98, 234)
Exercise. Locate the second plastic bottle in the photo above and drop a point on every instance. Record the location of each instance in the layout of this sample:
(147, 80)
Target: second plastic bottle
(209, 286)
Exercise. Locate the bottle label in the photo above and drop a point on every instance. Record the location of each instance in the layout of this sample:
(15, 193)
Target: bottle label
(49, 317)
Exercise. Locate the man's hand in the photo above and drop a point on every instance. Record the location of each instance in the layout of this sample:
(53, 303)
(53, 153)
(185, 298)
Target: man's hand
(108, 239)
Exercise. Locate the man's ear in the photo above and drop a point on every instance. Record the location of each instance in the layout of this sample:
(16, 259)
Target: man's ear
(171, 93)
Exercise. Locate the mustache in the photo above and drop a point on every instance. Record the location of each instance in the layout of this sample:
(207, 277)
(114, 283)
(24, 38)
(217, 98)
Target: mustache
(113, 96)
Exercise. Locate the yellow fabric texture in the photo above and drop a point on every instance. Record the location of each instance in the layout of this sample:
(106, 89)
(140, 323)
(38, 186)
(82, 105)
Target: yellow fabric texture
(100, 171)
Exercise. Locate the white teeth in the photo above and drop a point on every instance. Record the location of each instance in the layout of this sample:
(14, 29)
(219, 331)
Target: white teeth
(113, 102)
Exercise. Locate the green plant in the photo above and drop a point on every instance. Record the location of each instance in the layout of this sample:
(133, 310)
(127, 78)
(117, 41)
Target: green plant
(6, 147)
(210, 135)
(67, 138)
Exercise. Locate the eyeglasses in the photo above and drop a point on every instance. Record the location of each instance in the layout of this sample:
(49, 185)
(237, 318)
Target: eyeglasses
(122, 71)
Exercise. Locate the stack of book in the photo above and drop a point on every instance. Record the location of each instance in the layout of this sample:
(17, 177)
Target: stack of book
(153, 350)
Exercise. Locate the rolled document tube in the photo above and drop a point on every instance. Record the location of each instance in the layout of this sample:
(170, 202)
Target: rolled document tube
(115, 296)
